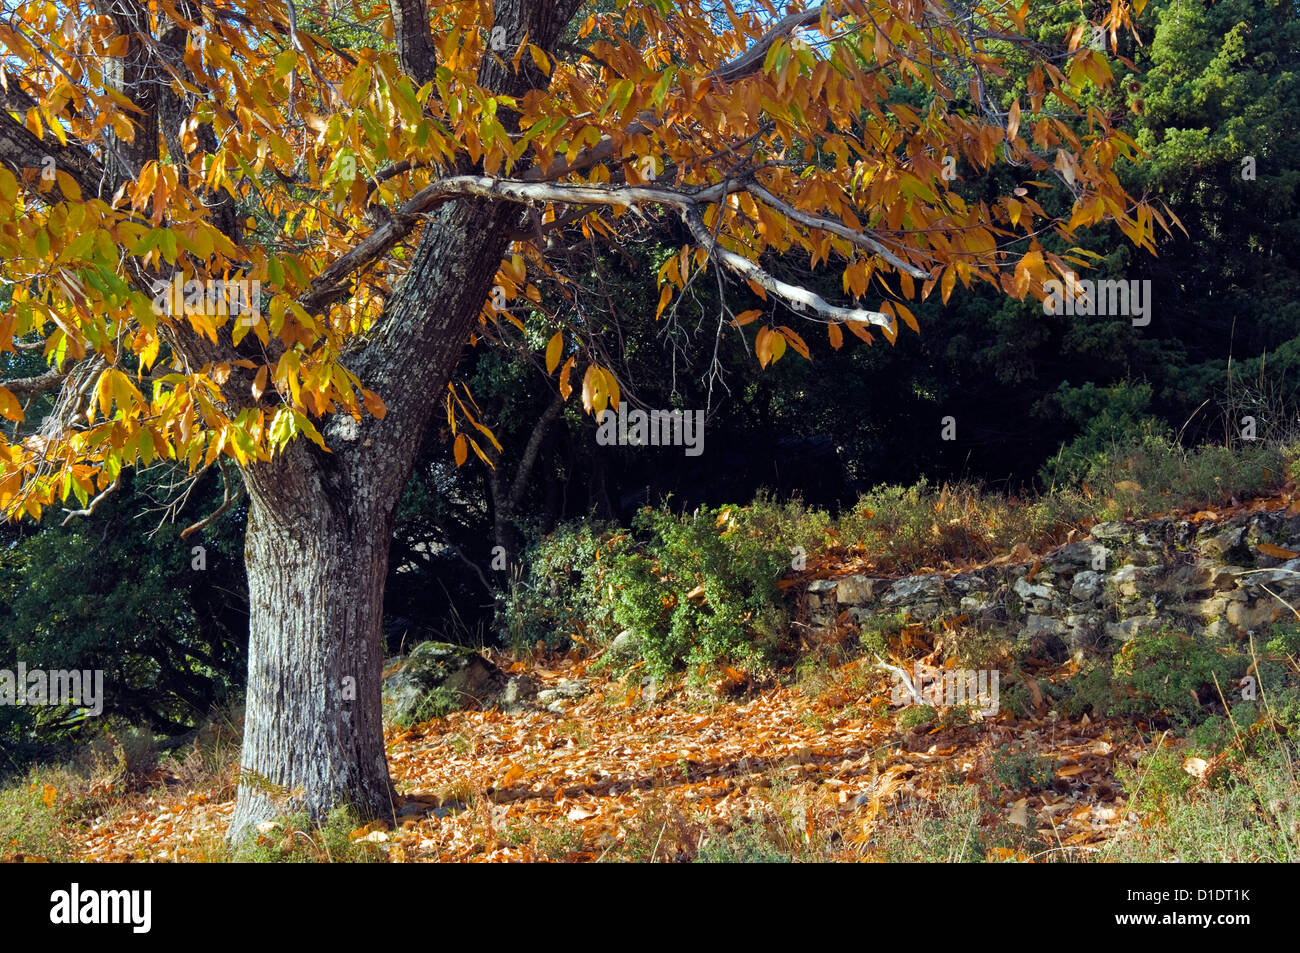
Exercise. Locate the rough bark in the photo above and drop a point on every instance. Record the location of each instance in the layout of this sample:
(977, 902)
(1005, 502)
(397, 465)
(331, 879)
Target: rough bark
(316, 560)
(320, 524)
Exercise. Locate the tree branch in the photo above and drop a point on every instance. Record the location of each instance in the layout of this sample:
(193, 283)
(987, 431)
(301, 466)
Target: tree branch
(835, 228)
(35, 385)
(798, 298)
(89, 510)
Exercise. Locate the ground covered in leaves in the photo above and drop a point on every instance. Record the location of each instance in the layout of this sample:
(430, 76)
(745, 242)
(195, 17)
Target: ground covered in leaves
(818, 769)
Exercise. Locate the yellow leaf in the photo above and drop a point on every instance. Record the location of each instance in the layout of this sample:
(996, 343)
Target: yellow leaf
(763, 346)
(611, 388)
(665, 295)
(554, 351)
(460, 449)
(9, 406)
(374, 404)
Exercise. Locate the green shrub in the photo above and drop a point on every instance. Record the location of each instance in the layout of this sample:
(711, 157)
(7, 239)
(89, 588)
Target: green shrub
(1170, 676)
(916, 716)
(1249, 814)
(564, 592)
(750, 842)
(1017, 768)
(697, 589)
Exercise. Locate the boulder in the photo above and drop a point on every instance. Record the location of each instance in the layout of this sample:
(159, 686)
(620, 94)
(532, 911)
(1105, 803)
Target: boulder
(437, 677)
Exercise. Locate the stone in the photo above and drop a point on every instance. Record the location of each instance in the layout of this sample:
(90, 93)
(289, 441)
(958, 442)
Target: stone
(1226, 542)
(1031, 592)
(520, 690)
(860, 590)
(1036, 625)
(1087, 586)
(915, 589)
(1073, 556)
(1134, 581)
(437, 677)
(1114, 530)
(626, 647)
(565, 690)
(1128, 628)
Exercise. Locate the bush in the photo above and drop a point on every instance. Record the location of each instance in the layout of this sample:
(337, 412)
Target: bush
(1246, 812)
(697, 590)
(564, 593)
(1169, 676)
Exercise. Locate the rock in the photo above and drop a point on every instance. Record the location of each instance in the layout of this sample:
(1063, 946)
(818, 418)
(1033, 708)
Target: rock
(1123, 631)
(626, 647)
(1074, 556)
(1114, 530)
(1036, 625)
(914, 589)
(566, 689)
(1228, 542)
(520, 690)
(1031, 592)
(1087, 586)
(437, 677)
(1285, 576)
(1132, 582)
(860, 590)
(819, 595)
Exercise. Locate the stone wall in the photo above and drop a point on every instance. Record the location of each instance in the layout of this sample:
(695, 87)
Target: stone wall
(1228, 577)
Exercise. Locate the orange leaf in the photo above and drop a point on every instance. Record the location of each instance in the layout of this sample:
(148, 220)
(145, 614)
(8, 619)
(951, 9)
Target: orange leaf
(554, 351)
(1278, 552)
(566, 388)
(460, 450)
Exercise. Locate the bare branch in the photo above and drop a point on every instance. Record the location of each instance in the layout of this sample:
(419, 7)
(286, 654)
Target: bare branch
(801, 299)
(233, 491)
(89, 510)
(835, 228)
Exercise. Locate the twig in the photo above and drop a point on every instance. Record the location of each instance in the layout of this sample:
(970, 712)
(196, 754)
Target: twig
(89, 510)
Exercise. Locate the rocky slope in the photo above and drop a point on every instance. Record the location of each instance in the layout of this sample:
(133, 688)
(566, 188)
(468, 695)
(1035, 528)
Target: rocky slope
(1203, 573)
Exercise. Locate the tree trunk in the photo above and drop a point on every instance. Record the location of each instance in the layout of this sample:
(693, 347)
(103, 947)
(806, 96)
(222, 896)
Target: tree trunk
(320, 523)
(313, 733)
(319, 530)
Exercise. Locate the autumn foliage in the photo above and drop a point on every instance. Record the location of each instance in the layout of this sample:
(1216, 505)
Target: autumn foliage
(302, 153)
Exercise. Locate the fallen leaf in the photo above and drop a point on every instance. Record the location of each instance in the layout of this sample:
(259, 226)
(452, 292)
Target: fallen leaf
(1019, 813)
